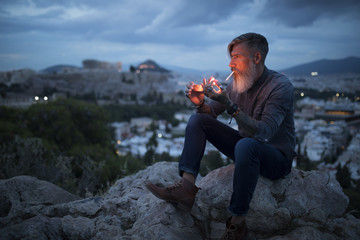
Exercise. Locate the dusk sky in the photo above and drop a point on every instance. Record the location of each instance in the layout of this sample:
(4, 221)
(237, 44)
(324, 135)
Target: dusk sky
(186, 33)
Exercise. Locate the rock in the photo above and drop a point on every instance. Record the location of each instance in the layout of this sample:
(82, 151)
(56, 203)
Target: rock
(312, 196)
(304, 205)
(19, 193)
(147, 216)
(304, 233)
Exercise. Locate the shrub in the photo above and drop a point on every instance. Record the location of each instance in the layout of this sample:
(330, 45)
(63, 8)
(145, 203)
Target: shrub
(66, 142)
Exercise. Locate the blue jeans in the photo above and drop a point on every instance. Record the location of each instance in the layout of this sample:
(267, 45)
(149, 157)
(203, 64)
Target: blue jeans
(252, 158)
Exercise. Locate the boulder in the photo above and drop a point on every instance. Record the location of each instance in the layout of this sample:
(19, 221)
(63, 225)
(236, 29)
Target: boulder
(303, 205)
(277, 207)
(22, 192)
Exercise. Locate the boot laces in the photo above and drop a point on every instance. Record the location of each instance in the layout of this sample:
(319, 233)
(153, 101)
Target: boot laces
(176, 185)
(230, 233)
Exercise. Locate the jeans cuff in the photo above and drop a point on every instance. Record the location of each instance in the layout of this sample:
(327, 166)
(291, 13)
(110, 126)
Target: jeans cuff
(188, 170)
(232, 213)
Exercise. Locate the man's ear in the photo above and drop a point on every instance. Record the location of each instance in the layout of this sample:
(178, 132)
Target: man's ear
(257, 57)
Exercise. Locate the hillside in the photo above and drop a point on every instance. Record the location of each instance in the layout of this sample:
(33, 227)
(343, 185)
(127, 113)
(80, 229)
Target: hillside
(151, 66)
(326, 66)
(58, 68)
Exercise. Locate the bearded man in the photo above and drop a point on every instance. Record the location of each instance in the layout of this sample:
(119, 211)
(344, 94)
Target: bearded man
(261, 102)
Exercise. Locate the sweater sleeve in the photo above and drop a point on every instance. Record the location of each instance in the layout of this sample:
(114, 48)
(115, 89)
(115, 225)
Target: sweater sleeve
(278, 104)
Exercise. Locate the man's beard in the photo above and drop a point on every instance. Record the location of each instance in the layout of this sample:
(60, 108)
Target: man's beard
(245, 80)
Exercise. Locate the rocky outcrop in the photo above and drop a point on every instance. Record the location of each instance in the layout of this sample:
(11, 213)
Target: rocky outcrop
(20, 193)
(304, 205)
(20, 76)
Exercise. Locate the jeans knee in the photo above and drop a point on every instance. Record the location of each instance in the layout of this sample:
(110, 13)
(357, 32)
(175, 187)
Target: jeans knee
(246, 151)
(246, 144)
(195, 120)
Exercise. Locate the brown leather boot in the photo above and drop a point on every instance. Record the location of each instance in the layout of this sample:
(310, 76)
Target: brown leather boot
(235, 231)
(182, 193)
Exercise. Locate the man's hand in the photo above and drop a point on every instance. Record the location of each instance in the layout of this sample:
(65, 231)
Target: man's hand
(195, 93)
(213, 90)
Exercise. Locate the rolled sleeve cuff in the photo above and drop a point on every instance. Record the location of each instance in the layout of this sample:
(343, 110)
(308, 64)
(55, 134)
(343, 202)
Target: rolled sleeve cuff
(263, 134)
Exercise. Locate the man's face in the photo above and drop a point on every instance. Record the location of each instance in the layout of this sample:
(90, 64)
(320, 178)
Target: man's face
(244, 67)
(240, 58)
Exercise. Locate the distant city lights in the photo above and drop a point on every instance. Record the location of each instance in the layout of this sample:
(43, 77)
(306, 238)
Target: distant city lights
(37, 98)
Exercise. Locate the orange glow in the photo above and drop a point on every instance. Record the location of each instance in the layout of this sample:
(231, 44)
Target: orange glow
(338, 112)
(198, 88)
(215, 85)
(146, 66)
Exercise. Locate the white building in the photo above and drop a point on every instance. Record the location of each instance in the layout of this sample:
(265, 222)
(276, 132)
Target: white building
(122, 130)
(141, 124)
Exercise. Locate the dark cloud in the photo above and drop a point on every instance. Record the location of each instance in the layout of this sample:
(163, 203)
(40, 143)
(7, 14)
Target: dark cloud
(299, 13)
(46, 29)
(158, 22)
(195, 12)
(51, 17)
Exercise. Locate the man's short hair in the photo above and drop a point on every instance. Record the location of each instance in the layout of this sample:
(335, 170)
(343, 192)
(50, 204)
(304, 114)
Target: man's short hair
(255, 42)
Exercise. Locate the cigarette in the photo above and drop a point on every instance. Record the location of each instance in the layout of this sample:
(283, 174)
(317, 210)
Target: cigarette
(229, 76)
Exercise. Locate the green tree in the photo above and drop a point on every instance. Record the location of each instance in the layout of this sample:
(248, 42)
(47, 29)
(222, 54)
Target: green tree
(153, 126)
(165, 111)
(12, 123)
(149, 157)
(210, 162)
(152, 143)
(151, 146)
(67, 142)
(132, 164)
(165, 156)
(303, 161)
(54, 124)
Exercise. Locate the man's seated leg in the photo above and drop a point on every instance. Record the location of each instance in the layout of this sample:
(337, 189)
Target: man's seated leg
(201, 127)
(252, 158)
(183, 193)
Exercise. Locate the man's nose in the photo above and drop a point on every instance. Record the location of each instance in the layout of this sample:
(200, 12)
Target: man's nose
(231, 64)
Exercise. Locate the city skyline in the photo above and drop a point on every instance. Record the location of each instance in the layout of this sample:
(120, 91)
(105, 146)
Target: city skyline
(189, 34)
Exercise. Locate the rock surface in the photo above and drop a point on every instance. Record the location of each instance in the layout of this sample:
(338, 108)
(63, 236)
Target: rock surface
(304, 205)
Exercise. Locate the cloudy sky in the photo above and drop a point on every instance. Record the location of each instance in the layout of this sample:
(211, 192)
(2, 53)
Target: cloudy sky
(187, 33)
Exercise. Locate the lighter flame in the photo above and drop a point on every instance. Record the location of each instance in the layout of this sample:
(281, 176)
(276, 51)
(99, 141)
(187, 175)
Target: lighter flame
(215, 86)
